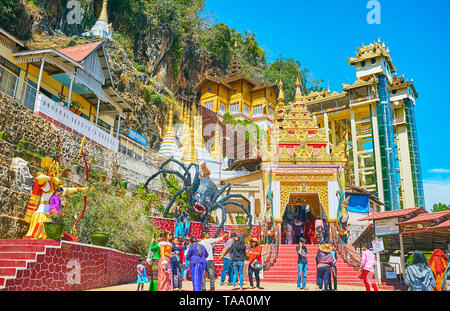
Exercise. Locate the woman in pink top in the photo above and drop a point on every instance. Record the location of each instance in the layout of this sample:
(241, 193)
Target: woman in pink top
(368, 268)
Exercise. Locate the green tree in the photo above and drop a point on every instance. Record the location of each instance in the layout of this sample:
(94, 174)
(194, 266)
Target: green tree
(439, 207)
(286, 69)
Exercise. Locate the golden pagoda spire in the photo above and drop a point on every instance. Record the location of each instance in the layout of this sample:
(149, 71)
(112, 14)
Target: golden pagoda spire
(169, 129)
(104, 14)
(281, 94)
(190, 152)
(298, 90)
(216, 149)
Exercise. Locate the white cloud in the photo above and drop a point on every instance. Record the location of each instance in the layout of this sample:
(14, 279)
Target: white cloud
(439, 171)
(436, 191)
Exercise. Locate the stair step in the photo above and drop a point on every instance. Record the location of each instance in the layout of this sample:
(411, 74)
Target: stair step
(21, 248)
(13, 263)
(19, 242)
(7, 272)
(18, 256)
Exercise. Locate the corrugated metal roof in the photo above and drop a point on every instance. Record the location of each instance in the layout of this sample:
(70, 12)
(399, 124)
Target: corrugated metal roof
(396, 213)
(79, 52)
(426, 217)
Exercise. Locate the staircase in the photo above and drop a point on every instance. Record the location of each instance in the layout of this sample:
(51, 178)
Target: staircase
(16, 254)
(285, 269)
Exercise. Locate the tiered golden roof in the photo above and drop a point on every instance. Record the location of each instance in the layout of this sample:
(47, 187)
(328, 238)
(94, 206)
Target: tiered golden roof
(297, 127)
(373, 50)
(400, 83)
(360, 83)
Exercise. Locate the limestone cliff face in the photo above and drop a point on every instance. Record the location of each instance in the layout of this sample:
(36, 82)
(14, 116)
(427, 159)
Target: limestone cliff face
(149, 47)
(152, 44)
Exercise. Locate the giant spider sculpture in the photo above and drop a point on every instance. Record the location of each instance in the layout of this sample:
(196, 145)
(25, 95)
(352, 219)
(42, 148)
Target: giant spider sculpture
(202, 193)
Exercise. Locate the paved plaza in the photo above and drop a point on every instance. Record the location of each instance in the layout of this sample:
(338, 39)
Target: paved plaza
(187, 286)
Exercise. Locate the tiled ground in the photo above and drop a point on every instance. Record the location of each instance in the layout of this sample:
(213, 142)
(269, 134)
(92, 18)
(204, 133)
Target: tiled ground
(267, 287)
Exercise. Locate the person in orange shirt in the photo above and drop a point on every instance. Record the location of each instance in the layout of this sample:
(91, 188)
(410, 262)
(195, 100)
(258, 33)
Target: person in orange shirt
(438, 263)
(254, 257)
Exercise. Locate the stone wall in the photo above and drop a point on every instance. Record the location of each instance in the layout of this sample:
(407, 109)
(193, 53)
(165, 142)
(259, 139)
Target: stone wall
(42, 136)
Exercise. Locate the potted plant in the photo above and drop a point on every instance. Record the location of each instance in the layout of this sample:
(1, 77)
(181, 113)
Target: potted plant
(123, 184)
(102, 177)
(54, 229)
(239, 219)
(75, 107)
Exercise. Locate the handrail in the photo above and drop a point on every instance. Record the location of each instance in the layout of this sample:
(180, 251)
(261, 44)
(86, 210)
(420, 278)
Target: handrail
(346, 253)
(270, 257)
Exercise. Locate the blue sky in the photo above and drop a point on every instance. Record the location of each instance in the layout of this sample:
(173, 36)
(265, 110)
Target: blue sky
(322, 34)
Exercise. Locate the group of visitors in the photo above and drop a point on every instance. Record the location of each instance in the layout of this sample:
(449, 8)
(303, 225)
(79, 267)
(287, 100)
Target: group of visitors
(326, 268)
(307, 226)
(172, 257)
(182, 221)
(233, 257)
(433, 275)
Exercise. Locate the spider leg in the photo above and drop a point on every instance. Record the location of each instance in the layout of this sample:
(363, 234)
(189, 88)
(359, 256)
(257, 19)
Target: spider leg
(175, 161)
(224, 217)
(197, 171)
(162, 172)
(240, 196)
(246, 211)
(228, 185)
(173, 200)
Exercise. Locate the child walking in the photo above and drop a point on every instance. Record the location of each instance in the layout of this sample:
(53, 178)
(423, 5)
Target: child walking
(142, 274)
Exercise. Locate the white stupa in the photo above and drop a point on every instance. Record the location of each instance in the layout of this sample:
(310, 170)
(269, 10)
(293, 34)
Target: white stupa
(101, 28)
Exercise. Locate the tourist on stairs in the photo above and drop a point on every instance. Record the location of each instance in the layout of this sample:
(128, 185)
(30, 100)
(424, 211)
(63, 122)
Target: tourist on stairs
(254, 263)
(226, 258)
(324, 261)
(179, 228)
(238, 251)
(302, 263)
(333, 267)
(210, 267)
(418, 275)
(197, 255)
(368, 268)
(319, 230)
(187, 223)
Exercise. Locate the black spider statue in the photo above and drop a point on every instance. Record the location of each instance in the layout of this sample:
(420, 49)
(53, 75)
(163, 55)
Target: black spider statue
(201, 193)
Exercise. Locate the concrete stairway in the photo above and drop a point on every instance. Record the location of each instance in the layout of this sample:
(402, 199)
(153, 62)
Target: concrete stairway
(285, 269)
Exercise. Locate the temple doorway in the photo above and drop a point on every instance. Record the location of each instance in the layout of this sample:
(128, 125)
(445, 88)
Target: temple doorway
(299, 218)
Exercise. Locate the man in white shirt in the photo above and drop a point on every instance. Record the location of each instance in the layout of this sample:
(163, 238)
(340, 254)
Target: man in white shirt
(210, 267)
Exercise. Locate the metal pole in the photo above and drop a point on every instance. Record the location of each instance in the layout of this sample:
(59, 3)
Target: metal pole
(402, 260)
(39, 84)
(118, 126)
(70, 92)
(98, 111)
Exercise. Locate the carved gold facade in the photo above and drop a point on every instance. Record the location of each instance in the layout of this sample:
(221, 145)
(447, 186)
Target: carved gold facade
(297, 153)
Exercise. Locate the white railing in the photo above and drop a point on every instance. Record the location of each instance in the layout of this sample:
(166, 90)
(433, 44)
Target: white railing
(76, 123)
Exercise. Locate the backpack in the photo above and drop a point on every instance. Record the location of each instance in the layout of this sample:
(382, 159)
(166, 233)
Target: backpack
(200, 251)
(418, 286)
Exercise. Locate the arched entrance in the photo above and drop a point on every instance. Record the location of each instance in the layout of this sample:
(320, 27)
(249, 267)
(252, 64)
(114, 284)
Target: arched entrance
(299, 215)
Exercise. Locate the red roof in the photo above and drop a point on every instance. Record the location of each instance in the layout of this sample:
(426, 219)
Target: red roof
(426, 217)
(396, 213)
(443, 225)
(79, 52)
